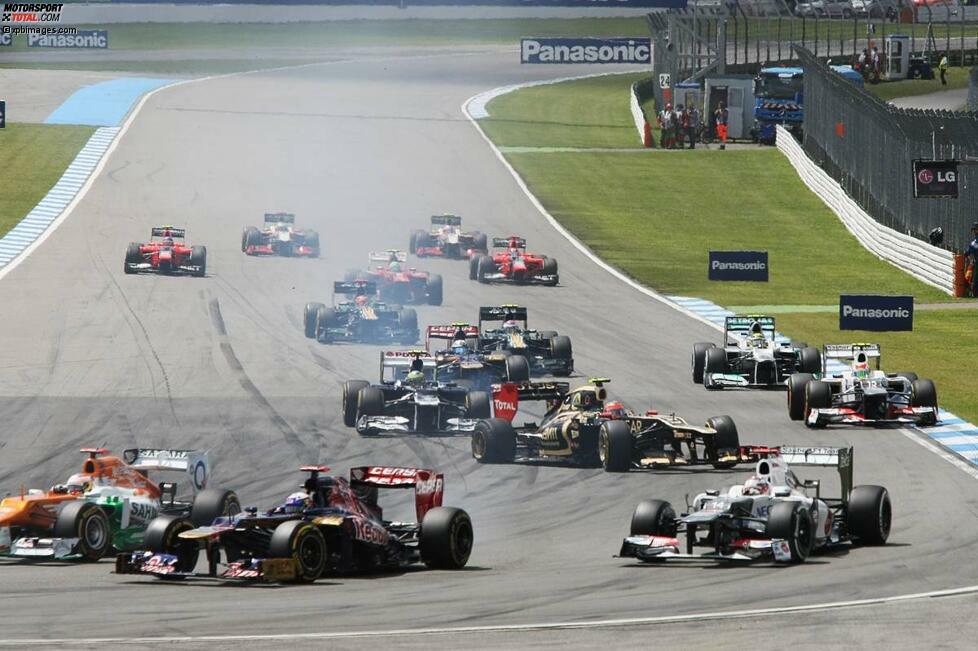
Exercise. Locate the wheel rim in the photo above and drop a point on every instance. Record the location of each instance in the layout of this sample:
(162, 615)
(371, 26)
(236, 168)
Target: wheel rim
(479, 445)
(94, 533)
(603, 447)
(463, 541)
(885, 516)
(803, 535)
(310, 554)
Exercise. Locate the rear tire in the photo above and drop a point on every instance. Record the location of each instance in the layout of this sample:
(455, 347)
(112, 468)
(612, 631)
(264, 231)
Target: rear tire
(309, 318)
(810, 360)
(198, 257)
(446, 538)
(517, 369)
(699, 360)
(869, 514)
(351, 396)
(162, 537)
(87, 522)
(726, 440)
(433, 289)
(477, 405)
(615, 446)
(653, 518)
(792, 522)
(304, 544)
(494, 441)
(796, 394)
(213, 503)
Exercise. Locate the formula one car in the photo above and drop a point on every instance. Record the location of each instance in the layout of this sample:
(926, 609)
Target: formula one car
(108, 504)
(331, 525)
(447, 240)
(280, 237)
(364, 319)
(547, 351)
(164, 254)
(464, 364)
(770, 517)
(580, 428)
(751, 357)
(397, 284)
(411, 399)
(860, 394)
(510, 263)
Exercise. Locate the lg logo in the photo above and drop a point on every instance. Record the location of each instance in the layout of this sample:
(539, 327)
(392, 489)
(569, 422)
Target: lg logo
(927, 176)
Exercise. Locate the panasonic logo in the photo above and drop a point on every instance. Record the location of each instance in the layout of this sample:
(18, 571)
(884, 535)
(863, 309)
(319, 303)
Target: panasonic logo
(93, 39)
(739, 266)
(562, 50)
(875, 313)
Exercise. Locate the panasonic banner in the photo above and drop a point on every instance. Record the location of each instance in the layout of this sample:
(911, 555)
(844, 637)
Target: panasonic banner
(876, 313)
(586, 50)
(83, 38)
(738, 265)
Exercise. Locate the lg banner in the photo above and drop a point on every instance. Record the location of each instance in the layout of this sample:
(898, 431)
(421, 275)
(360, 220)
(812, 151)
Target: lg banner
(935, 179)
(876, 313)
(738, 265)
(586, 50)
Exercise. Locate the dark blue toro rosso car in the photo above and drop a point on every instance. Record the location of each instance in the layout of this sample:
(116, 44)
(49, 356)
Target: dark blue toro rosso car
(330, 525)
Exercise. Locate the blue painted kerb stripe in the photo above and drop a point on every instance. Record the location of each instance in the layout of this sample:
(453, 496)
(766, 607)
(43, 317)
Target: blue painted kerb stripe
(104, 104)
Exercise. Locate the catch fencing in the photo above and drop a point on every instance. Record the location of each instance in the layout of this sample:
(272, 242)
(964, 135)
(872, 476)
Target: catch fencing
(868, 146)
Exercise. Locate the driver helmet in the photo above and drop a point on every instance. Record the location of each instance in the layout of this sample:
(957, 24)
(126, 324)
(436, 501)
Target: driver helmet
(297, 502)
(459, 347)
(77, 484)
(756, 486)
(361, 300)
(861, 369)
(167, 241)
(395, 266)
(614, 410)
(414, 378)
(511, 326)
(586, 400)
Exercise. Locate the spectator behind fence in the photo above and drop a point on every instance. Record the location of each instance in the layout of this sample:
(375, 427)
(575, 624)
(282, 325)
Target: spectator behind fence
(876, 65)
(680, 125)
(942, 66)
(861, 63)
(972, 254)
(720, 116)
(692, 125)
(665, 125)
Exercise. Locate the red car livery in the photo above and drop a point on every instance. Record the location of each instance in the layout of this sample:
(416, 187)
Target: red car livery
(446, 239)
(398, 283)
(510, 263)
(280, 237)
(166, 253)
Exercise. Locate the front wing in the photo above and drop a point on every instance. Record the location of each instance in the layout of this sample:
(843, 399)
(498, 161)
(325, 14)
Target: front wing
(267, 250)
(164, 566)
(146, 267)
(723, 380)
(402, 425)
(850, 416)
(537, 279)
(652, 549)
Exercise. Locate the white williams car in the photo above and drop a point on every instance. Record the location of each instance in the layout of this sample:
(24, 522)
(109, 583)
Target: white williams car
(773, 516)
(860, 393)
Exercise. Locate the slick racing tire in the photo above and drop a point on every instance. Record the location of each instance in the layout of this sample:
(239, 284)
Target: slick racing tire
(370, 402)
(726, 440)
(326, 318)
(484, 267)
(792, 522)
(163, 537)
(615, 446)
(796, 394)
(474, 266)
(433, 289)
(923, 393)
(198, 257)
(304, 544)
(546, 334)
(494, 441)
(869, 515)
(351, 397)
(213, 503)
(87, 522)
(818, 395)
(480, 242)
(407, 319)
(477, 405)
(699, 360)
(910, 375)
(715, 362)
(133, 256)
(309, 318)
(560, 347)
(250, 237)
(446, 538)
(810, 360)
(549, 267)
(653, 518)
(517, 369)
(419, 239)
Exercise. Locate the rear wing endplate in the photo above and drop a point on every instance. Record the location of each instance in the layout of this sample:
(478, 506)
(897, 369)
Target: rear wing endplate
(193, 462)
(429, 485)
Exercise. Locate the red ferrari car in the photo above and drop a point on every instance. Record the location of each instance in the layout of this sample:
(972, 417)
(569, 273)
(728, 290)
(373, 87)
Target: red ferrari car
(397, 283)
(510, 263)
(165, 254)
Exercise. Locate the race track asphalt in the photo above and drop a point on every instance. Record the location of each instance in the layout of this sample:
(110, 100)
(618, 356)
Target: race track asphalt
(364, 151)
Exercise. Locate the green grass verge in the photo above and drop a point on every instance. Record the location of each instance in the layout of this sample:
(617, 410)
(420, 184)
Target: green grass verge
(33, 157)
(656, 216)
(956, 78)
(348, 33)
(595, 115)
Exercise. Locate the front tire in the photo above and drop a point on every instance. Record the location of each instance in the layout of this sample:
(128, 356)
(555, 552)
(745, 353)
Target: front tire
(726, 440)
(796, 394)
(699, 360)
(446, 538)
(133, 256)
(615, 446)
(433, 289)
(517, 369)
(370, 402)
(560, 347)
(810, 360)
(485, 267)
(198, 257)
(351, 396)
(87, 522)
(818, 395)
(477, 405)
(716, 362)
(304, 544)
(792, 522)
(309, 318)
(494, 441)
(653, 518)
(163, 537)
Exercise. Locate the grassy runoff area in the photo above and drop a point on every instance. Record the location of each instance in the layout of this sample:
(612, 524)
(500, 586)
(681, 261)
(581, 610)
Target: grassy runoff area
(656, 215)
(33, 157)
(956, 78)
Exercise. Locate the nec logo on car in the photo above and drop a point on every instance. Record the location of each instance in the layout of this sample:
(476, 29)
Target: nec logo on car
(739, 265)
(586, 50)
(876, 313)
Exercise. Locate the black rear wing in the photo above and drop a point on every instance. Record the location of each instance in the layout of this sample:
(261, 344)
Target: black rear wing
(355, 287)
(279, 218)
(446, 220)
(169, 231)
(502, 313)
(506, 242)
